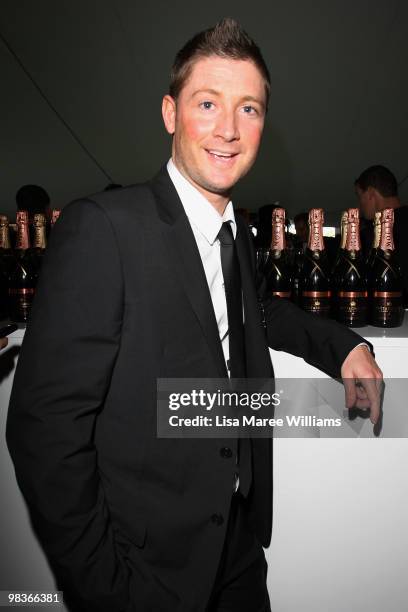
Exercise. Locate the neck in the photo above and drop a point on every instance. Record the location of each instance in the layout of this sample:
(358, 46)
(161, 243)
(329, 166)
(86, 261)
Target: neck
(391, 202)
(218, 201)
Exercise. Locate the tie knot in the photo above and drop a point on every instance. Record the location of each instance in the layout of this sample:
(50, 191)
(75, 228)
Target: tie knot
(225, 235)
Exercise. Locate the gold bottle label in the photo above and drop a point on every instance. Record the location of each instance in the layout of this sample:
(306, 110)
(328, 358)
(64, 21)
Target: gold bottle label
(387, 294)
(316, 220)
(4, 233)
(377, 230)
(352, 294)
(278, 229)
(40, 241)
(23, 240)
(54, 216)
(353, 242)
(387, 223)
(343, 226)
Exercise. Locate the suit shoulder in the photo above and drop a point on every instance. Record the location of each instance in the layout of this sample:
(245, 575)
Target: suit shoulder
(118, 205)
(133, 197)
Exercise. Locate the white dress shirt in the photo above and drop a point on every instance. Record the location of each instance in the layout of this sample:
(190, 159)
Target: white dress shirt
(206, 222)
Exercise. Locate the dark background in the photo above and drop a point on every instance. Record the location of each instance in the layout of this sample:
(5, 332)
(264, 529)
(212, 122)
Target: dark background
(339, 94)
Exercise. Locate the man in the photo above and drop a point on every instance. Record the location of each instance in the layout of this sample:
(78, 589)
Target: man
(34, 199)
(377, 189)
(132, 290)
(301, 221)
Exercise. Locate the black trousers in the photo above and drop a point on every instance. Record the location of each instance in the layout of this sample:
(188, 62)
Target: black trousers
(240, 584)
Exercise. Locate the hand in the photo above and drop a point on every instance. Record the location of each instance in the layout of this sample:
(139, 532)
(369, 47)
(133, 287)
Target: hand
(3, 343)
(363, 381)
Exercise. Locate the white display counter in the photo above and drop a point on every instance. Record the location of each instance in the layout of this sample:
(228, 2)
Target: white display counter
(340, 531)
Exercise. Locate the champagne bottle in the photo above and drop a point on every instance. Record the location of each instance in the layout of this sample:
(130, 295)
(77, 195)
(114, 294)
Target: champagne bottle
(349, 277)
(376, 240)
(36, 254)
(385, 278)
(277, 266)
(314, 281)
(54, 216)
(6, 261)
(22, 279)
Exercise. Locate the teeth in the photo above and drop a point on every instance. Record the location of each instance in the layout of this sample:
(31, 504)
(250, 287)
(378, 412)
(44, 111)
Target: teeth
(221, 154)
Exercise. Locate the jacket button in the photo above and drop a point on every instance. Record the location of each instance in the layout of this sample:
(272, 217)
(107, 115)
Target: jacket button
(226, 452)
(217, 519)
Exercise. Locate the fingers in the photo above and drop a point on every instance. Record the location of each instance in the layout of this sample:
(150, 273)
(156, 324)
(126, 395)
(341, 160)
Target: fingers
(350, 390)
(371, 389)
(365, 394)
(363, 381)
(3, 342)
(375, 399)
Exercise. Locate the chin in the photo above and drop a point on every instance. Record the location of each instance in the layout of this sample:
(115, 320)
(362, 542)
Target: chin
(220, 188)
(223, 184)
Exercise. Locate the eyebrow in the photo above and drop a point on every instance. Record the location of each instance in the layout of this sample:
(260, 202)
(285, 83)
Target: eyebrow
(214, 92)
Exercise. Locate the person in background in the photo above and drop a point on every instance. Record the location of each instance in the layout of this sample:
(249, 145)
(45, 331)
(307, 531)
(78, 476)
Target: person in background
(301, 221)
(34, 199)
(264, 236)
(376, 189)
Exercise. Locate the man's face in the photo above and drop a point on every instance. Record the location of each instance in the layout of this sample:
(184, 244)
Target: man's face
(302, 230)
(366, 201)
(217, 122)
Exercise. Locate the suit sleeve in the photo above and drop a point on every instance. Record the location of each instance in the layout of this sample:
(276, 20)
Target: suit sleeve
(323, 343)
(62, 378)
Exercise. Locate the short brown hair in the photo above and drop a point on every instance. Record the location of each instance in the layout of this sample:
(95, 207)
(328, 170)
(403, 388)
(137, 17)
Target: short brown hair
(380, 178)
(226, 39)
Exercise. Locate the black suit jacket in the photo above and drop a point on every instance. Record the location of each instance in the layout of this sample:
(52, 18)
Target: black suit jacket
(127, 519)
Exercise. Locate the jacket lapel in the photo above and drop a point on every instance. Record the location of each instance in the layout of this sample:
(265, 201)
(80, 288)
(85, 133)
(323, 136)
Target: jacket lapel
(183, 252)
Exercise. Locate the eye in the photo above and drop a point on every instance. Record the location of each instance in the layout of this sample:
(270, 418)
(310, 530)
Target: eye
(249, 110)
(206, 105)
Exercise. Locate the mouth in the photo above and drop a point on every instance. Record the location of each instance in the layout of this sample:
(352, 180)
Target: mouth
(221, 157)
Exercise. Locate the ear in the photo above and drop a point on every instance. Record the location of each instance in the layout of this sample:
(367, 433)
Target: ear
(169, 113)
(372, 192)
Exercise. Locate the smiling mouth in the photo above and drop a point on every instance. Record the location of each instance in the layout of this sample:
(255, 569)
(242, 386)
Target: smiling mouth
(221, 156)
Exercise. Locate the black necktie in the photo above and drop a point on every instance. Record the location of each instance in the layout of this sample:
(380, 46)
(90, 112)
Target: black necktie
(237, 368)
(233, 294)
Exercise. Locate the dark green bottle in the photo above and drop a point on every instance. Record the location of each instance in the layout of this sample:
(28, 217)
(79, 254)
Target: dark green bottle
(23, 278)
(314, 281)
(350, 294)
(385, 279)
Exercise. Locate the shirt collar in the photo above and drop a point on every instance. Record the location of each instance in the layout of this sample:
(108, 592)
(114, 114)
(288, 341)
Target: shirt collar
(198, 209)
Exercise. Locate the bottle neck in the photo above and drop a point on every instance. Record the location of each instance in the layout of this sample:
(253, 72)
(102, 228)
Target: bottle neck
(23, 240)
(353, 242)
(387, 239)
(316, 242)
(54, 217)
(377, 231)
(343, 238)
(40, 241)
(278, 237)
(4, 237)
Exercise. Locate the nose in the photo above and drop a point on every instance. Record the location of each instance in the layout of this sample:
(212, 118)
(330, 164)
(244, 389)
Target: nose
(226, 126)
